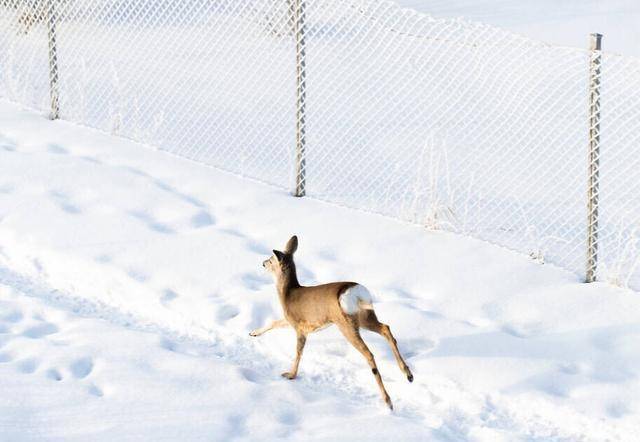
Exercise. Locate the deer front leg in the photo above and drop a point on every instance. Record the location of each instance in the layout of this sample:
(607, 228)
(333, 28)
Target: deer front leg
(302, 339)
(280, 323)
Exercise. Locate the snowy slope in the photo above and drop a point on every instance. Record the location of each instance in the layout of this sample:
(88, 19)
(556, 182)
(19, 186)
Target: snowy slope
(567, 22)
(130, 278)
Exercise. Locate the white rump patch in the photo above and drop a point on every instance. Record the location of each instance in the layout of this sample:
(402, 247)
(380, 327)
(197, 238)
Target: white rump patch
(356, 298)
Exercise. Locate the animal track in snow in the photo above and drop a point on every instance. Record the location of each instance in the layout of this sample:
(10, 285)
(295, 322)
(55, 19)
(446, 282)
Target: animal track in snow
(288, 416)
(151, 222)
(167, 296)
(202, 219)
(13, 316)
(54, 374)
(40, 330)
(249, 375)
(168, 344)
(137, 275)
(81, 368)
(95, 391)
(63, 201)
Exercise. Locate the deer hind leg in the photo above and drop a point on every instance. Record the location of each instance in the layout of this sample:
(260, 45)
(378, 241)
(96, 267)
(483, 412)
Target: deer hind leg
(369, 321)
(351, 333)
(280, 323)
(302, 339)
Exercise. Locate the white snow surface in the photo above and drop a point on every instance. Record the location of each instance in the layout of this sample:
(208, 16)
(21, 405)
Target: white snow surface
(566, 22)
(130, 279)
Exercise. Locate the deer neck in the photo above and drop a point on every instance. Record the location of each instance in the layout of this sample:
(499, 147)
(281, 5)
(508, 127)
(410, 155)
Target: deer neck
(286, 282)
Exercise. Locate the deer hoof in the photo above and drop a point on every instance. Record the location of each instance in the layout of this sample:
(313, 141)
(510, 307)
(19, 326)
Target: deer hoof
(410, 377)
(389, 404)
(254, 333)
(289, 376)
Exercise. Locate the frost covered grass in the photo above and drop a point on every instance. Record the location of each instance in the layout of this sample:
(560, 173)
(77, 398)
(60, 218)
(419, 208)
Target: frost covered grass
(130, 279)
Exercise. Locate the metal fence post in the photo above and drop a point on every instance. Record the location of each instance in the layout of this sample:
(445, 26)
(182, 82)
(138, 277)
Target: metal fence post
(53, 59)
(300, 36)
(594, 155)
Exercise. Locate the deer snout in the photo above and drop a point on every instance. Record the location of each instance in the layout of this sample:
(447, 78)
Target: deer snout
(264, 263)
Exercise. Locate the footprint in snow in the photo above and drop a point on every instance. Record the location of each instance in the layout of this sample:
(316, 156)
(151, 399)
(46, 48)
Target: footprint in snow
(249, 375)
(63, 201)
(137, 275)
(168, 345)
(167, 296)
(95, 391)
(40, 330)
(81, 368)
(13, 317)
(202, 219)
(54, 374)
(151, 222)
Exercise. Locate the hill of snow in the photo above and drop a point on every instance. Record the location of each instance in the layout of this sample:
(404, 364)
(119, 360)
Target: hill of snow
(566, 23)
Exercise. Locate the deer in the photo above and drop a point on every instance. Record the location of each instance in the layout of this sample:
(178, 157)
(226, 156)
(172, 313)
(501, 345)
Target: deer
(348, 305)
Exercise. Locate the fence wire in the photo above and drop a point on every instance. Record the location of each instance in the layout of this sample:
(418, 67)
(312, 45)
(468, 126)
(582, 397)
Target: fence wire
(446, 123)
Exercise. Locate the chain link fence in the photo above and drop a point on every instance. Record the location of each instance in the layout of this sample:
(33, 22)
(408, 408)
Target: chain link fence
(446, 123)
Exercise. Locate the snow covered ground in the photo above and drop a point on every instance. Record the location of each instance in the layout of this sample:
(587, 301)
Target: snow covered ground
(567, 22)
(130, 278)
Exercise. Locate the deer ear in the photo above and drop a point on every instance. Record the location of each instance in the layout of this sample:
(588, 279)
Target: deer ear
(279, 255)
(292, 245)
